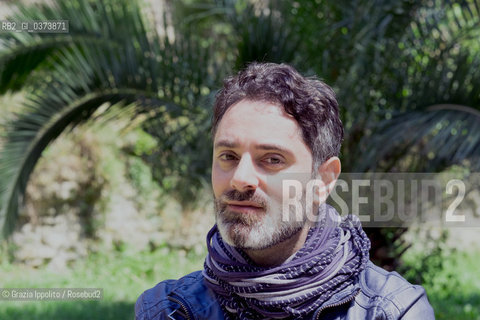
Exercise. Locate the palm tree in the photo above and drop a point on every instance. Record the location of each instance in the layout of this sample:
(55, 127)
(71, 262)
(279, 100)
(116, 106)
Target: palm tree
(110, 55)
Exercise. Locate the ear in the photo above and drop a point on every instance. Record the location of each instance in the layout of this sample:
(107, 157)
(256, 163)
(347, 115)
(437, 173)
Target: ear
(328, 172)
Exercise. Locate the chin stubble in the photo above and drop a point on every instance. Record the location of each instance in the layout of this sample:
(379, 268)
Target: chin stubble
(253, 232)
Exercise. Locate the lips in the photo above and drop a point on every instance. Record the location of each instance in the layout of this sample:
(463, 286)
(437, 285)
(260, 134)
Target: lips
(244, 206)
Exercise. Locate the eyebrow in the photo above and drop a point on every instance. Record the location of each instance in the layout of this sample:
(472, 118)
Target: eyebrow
(225, 144)
(266, 147)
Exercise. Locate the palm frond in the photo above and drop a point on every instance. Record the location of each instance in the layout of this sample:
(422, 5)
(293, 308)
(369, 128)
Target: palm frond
(264, 36)
(133, 65)
(24, 52)
(434, 63)
(32, 132)
(432, 139)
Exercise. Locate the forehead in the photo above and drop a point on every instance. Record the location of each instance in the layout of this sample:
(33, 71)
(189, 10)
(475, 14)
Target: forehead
(264, 122)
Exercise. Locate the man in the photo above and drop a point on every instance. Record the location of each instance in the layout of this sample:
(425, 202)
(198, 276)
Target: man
(268, 259)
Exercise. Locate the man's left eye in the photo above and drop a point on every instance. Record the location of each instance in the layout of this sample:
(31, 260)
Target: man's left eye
(273, 160)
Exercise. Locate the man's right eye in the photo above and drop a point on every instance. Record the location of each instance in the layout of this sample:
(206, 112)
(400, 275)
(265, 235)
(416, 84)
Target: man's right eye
(227, 157)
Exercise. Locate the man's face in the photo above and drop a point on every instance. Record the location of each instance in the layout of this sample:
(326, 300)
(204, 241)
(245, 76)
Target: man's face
(256, 143)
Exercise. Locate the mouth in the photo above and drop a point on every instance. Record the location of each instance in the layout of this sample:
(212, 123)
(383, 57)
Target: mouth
(244, 206)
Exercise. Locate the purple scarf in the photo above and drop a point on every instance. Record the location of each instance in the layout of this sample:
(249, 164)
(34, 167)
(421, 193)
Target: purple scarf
(333, 255)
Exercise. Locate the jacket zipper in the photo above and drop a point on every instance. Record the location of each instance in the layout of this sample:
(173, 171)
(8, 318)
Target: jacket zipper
(182, 305)
(349, 299)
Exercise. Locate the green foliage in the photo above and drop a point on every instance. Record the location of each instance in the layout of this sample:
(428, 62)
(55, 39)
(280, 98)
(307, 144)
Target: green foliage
(453, 289)
(182, 163)
(424, 268)
(140, 174)
(430, 93)
(145, 143)
(123, 277)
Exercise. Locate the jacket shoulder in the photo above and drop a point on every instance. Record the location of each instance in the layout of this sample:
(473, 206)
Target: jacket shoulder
(398, 298)
(154, 301)
(188, 294)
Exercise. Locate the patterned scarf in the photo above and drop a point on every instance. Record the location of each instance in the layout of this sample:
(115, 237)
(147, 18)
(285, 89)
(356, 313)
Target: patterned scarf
(333, 255)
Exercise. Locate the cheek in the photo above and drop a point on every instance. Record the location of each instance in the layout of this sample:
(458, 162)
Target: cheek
(220, 180)
(275, 192)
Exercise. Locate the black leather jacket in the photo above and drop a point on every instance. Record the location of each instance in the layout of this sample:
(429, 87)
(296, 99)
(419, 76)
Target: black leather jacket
(377, 294)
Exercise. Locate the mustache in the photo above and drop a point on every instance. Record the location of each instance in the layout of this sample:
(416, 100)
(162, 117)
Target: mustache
(235, 195)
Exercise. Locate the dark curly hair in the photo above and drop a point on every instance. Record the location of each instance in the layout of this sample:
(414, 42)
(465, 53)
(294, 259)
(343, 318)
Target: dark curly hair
(309, 101)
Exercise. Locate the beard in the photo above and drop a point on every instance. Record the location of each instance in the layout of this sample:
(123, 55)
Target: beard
(256, 230)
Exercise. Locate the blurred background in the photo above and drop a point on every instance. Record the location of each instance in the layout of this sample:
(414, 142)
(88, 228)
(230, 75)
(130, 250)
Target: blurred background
(105, 147)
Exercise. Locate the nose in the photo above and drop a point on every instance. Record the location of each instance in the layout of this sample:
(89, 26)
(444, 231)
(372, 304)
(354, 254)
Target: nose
(245, 176)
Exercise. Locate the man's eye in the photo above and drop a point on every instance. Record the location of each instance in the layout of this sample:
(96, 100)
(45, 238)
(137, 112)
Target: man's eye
(273, 160)
(227, 157)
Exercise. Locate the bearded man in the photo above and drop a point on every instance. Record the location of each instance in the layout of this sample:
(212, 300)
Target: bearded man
(268, 259)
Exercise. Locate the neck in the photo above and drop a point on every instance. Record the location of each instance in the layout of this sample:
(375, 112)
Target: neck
(277, 254)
